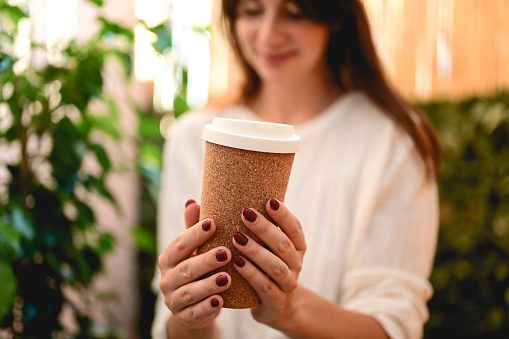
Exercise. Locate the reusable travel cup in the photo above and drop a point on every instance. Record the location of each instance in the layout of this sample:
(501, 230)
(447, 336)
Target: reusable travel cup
(246, 164)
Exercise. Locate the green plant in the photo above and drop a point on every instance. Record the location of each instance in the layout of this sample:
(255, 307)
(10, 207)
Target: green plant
(48, 233)
(471, 272)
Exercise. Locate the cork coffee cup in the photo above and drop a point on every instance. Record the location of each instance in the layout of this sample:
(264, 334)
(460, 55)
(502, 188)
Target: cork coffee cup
(246, 164)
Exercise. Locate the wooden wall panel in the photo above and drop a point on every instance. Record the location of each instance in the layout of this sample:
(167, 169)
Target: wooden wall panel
(475, 33)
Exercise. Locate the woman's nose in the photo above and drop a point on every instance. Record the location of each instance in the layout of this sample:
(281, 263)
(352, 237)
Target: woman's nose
(272, 32)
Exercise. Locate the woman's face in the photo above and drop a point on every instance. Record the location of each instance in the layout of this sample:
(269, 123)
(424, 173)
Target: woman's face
(279, 42)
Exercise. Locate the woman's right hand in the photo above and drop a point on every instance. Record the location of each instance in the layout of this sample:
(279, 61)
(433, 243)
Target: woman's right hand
(194, 303)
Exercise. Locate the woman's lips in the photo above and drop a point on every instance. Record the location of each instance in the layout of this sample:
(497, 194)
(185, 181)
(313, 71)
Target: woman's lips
(276, 58)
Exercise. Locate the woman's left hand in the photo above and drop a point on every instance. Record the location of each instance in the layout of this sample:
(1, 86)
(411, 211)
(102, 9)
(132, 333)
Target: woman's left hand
(281, 264)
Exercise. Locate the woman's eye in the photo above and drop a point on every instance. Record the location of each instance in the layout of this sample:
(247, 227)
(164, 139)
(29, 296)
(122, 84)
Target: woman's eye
(294, 12)
(296, 16)
(252, 11)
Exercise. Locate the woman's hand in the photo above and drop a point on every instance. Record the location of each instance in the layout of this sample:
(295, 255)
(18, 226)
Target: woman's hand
(282, 264)
(194, 303)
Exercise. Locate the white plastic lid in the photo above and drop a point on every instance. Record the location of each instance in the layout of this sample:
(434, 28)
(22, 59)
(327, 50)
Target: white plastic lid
(252, 135)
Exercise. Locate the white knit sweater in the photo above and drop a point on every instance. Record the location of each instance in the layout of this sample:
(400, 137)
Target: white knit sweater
(369, 214)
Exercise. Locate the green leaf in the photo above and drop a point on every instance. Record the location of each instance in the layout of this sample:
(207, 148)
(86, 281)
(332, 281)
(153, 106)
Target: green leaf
(101, 156)
(163, 41)
(105, 243)
(180, 105)
(110, 28)
(97, 2)
(205, 30)
(13, 12)
(148, 126)
(8, 290)
(125, 59)
(151, 154)
(23, 222)
(10, 241)
(143, 239)
(86, 216)
(6, 63)
(94, 183)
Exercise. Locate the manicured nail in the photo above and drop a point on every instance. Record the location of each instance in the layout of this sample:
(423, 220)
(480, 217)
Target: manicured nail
(214, 302)
(238, 261)
(221, 255)
(222, 280)
(240, 238)
(249, 214)
(274, 204)
(206, 225)
(189, 202)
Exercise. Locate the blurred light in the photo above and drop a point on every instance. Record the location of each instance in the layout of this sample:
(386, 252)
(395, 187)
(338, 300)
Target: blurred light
(199, 70)
(144, 54)
(190, 50)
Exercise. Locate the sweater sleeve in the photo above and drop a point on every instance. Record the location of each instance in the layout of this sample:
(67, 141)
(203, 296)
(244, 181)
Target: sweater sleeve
(180, 181)
(394, 250)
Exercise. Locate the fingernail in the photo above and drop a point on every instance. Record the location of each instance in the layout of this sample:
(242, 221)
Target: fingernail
(274, 204)
(222, 280)
(249, 214)
(238, 261)
(214, 302)
(206, 225)
(240, 238)
(221, 255)
(189, 202)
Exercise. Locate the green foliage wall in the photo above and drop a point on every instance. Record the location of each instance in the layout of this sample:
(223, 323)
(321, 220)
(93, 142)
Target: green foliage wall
(48, 232)
(471, 272)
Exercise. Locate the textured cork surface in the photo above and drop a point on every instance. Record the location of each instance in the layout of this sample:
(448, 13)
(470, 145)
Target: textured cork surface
(234, 179)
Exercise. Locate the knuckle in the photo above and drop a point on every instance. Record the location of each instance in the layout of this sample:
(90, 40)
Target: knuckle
(280, 271)
(285, 245)
(168, 302)
(185, 271)
(299, 225)
(250, 274)
(267, 287)
(187, 296)
(162, 285)
(209, 262)
(180, 244)
(293, 284)
(160, 260)
(265, 226)
(196, 233)
(298, 267)
(194, 315)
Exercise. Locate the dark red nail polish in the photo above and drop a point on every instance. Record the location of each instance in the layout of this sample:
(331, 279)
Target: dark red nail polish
(189, 202)
(214, 302)
(239, 261)
(249, 214)
(206, 225)
(274, 204)
(221, 255)
(222, 280)
(240, 238)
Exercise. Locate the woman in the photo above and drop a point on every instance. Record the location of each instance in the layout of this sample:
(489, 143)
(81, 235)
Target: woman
(363, 187)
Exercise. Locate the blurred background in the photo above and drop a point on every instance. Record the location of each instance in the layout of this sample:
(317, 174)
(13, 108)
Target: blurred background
(88, 89)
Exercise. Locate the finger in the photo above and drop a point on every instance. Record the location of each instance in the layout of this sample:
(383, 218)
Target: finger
(272, 236)
(288, 223)
(196, 267)
(186, 243)
(191, 213)
(261, 283)
(192, 293)
(196, 315)
(272, 265)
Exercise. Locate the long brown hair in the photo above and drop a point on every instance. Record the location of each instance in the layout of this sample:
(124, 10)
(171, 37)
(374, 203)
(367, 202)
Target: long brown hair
(352, 58)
